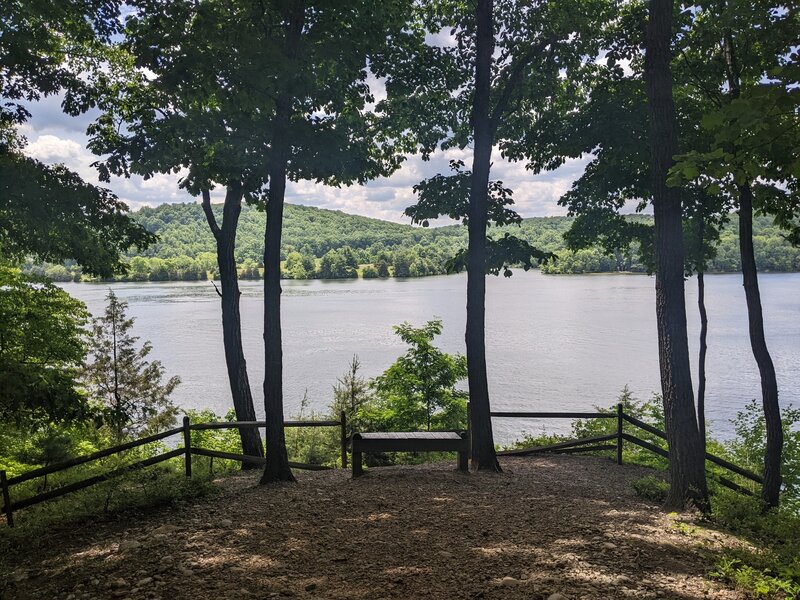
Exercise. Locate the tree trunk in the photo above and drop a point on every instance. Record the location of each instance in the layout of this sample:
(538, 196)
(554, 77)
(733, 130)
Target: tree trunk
(241, 394)
(277, 458)
(277, 465)
(701, 361)
(770, 492)
(687, 462)
(483, 452)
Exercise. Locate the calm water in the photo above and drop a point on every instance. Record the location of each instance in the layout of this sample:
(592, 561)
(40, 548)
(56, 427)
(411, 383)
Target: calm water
(553, 342)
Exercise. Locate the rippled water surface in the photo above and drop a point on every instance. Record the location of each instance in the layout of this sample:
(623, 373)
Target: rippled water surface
(553, 342)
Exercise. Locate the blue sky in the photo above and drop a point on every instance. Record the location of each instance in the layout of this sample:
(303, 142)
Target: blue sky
(57, 138)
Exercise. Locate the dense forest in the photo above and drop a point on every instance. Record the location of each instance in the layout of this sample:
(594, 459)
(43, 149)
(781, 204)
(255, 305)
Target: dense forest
(325, 244)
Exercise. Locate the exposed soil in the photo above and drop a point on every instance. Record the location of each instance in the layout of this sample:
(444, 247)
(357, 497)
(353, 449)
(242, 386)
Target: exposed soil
(547, 525)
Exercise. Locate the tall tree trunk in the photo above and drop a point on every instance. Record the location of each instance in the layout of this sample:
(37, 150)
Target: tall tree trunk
(701, 360)
(770, 492)
(687, 462)
(277, 465)
(483, 452)
(225, 236)
(277, 458)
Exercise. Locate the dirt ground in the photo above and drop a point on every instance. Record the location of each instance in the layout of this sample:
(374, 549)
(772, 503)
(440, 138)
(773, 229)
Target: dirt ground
(546, 526)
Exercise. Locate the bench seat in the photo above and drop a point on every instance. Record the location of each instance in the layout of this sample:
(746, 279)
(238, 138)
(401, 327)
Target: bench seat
(410, 441)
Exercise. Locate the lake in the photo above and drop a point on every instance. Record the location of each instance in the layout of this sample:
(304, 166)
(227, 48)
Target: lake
(566, 342)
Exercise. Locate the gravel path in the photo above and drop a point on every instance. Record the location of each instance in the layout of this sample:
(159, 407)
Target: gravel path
(547, 525)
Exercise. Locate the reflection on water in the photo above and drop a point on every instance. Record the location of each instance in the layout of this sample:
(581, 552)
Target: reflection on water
(553, 342)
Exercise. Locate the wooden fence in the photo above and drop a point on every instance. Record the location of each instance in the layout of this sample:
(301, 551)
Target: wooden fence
(597, 443)
(187, 451)
(614, 441)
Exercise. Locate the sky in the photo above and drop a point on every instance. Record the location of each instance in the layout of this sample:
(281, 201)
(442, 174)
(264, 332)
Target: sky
(54, 137)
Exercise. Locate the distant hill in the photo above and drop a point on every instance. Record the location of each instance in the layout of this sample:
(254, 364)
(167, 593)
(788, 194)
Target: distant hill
(332, 244)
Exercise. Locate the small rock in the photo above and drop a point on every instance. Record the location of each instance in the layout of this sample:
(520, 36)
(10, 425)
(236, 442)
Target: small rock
(225, 523)
(557, 596)
(145, 581)
(311, 587)
(445, 554)
(126, 545)
(509, 581)
(119, 583)
(609, 545)
(165, 530)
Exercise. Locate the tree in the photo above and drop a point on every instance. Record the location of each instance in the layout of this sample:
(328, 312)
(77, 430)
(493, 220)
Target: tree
(252, 94)
(225, 236)
(628, 123)
(505, 61)
(745, 57)
(119, 378)
(418, 389)
(350, 393)
(49, 212)
(42, 348)
(687, 460)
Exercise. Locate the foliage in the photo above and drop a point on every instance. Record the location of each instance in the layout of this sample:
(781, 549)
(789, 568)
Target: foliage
(314, 445)
(49, 212)
(749, 130)
(652, 487)
(186, 252)
(46, 211)
(350, 394)
(746, 449)
(768, 564)
(418, 391)
(129, 497)
(221, 440)
(121, 380)
(42, 347)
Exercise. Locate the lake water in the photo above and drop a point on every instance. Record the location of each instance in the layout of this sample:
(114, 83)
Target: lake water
(553, 342)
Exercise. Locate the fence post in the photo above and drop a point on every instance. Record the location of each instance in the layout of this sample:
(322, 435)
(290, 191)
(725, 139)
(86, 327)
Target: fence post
(187, 446)
(619, 433)
(6, 499)
(344, 439)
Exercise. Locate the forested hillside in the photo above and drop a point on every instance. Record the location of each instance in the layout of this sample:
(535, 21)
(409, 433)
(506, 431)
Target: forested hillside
(327, 244)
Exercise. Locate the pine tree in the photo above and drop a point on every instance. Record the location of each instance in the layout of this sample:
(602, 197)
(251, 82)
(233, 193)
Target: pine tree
(119, 378)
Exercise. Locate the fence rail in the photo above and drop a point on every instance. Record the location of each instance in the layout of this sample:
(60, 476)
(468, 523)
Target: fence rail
(187, 451)
(595, 443)
(590, 444)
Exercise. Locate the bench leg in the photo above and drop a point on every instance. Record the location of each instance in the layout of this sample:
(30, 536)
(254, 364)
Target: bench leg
(357, 468)
(463, 461)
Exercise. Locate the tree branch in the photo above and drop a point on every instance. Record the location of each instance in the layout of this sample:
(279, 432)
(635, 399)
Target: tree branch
(216, 288)
(515, 76)
(212, 220)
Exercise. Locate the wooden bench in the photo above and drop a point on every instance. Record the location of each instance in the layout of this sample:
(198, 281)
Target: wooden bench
(410, 441)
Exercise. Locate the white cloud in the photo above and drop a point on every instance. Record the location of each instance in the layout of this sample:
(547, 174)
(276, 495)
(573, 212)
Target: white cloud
(56, 138)
(53, 149)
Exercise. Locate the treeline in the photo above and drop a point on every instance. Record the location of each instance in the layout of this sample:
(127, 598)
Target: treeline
(325, 244)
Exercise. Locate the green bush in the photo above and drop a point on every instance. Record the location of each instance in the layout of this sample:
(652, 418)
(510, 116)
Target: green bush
(652, 487)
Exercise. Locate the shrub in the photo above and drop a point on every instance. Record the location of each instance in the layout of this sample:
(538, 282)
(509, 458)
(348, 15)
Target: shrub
(652, 487)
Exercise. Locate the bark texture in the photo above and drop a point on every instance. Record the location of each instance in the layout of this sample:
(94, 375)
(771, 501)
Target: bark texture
(770, 492)
(701, 360)
(225, 236)
(687, 462)
(277, 458)
(483, 452)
